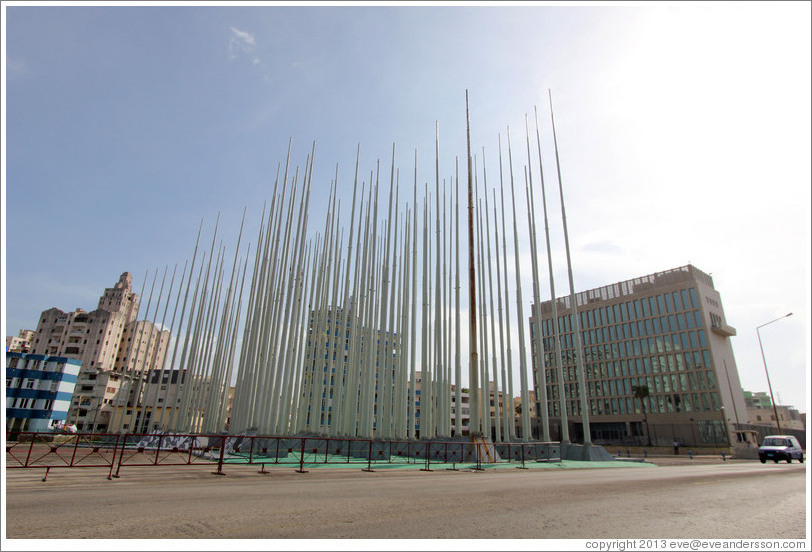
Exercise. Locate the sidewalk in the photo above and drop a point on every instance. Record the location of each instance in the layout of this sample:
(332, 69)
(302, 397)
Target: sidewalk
(685, 460)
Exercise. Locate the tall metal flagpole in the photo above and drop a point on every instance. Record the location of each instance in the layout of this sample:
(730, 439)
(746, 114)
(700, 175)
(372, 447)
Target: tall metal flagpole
(354, 306)
(497, 419)
(537, 352)
(413, 332)
(425, 400)
(527, 431)
(284, 418)
(385, 373)
(538, 344)
(221, 421)
(405, 335)
(307, 367)
(562, 398)
(508, 395)
(483, 364)
(178, 416)
(391, 332)
(343, 376)
(473, 375)
(358, 303)
(144, 374)
(438, 323)
(299, 377)
(446, 392)
(173, 402)
(457, 360)
(154, 391)
(576, 325)
(133, 363)
(511, 418)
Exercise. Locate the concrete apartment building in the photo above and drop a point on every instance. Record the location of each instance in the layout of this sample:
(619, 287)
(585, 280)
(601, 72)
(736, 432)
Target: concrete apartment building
(111, 346)
(666, 331)
(331, 368)
(161, 397)
(463, 410)
(91, 337)
(38, 390)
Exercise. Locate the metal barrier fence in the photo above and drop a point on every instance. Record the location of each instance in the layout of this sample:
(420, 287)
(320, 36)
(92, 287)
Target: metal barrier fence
(35, 450)
(49, 450)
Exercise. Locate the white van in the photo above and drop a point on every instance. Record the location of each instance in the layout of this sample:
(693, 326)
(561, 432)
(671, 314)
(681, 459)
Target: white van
(780, 447)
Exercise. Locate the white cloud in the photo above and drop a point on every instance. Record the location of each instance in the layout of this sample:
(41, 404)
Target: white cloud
(242, 36)
(241, 42)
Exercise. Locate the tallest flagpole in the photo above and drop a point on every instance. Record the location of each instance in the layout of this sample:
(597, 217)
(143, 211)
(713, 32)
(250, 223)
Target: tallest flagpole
(475, 422)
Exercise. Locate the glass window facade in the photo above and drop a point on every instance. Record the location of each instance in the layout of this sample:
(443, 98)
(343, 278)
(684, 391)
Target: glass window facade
(659, 339)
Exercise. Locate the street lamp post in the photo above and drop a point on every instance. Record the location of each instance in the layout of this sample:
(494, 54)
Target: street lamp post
(769, 385)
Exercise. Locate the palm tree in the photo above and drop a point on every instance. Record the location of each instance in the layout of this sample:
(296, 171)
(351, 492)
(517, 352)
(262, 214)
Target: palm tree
(641, 392)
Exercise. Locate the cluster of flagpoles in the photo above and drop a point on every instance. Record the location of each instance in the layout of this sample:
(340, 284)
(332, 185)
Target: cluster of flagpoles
(330, 342)
(202, 351)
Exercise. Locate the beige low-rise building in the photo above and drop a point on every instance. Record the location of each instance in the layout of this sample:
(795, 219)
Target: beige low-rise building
(161, 406)
(93, 399)
(20, 343)
(788, 417)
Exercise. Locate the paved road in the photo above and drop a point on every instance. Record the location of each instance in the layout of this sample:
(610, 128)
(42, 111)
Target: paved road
(724, 500)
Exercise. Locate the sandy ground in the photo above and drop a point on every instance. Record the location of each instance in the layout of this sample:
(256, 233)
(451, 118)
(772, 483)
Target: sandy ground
(679, 498)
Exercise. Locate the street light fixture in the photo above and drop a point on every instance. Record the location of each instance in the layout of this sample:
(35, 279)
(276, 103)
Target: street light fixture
(769, 385)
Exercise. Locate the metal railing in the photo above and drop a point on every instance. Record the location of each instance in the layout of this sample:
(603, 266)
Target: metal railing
(112, 451)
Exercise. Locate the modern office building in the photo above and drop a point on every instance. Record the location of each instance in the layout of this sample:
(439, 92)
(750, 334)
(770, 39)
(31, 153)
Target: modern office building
(38, 390)
(665, 331)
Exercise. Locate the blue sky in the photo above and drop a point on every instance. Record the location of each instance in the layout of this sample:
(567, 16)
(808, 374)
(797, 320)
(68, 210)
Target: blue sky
(684, 134)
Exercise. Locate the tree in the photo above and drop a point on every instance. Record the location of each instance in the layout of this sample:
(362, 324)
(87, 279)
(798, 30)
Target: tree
(641, 392)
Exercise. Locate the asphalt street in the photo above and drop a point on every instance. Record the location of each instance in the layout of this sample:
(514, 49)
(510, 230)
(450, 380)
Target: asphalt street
(677, 499)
